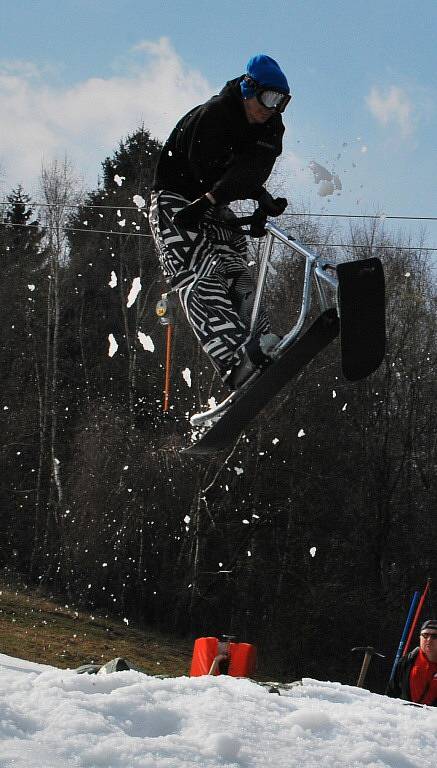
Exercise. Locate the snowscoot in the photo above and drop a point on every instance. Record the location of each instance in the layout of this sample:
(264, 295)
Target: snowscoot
(351, 298)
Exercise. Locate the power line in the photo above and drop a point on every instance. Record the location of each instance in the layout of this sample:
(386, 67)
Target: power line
(381, 216)
(76, 205)
(320, 245)
(373, 247)
(97, 231)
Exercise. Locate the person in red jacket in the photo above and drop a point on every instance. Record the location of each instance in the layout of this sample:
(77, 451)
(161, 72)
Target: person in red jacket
(415, 678)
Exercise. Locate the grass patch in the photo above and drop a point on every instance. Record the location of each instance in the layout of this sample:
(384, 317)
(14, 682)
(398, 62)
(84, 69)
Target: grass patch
(40, 629)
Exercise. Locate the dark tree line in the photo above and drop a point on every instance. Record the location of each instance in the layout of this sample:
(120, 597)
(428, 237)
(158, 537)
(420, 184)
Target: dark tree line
(307, 539)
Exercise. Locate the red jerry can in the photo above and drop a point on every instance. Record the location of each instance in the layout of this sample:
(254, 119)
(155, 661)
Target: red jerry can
(243, 660)
(208, 653)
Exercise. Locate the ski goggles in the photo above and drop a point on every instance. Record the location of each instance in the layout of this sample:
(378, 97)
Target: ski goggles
(428, 636)
(268, 97)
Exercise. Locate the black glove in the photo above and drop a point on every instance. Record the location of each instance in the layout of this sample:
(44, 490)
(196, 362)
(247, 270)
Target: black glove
(272, 206)
(189, 216)
(257, 226)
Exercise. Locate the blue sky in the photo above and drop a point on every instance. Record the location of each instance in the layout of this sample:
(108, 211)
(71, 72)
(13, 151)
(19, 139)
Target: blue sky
(78, 75)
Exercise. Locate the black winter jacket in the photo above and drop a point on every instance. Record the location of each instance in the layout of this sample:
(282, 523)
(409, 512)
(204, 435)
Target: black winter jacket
(215, 149)
(399, 687)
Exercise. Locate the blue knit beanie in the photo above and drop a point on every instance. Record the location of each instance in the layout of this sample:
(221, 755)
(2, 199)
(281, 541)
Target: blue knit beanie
(267, 72)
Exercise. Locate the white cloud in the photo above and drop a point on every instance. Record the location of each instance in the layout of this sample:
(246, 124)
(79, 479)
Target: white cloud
(392, 107)
(87, 120)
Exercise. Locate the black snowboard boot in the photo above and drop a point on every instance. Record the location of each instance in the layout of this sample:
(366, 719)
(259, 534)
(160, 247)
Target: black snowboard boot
(256, 355)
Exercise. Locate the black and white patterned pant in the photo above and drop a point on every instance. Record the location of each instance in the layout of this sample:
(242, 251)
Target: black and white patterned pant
(208, 268)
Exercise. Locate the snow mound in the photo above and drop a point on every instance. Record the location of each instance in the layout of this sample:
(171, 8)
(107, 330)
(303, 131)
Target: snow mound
(53, 717)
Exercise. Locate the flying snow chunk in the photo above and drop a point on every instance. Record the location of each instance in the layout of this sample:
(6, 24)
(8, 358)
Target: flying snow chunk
(239, 470)
(139, 201)
(186, 375)
(119, 179)
(31, 287)
(319, 172)
(187, 519)
(126, 621)
(407, 274)
(301, 433)
(134, 291)
(328, 182)
(113, 346)
(212, 402)
(344, 407)
(122, 223)
(325, 189)
(113, 281)
(275, 441)
(146, 342)
(334, 393)
(313, 551)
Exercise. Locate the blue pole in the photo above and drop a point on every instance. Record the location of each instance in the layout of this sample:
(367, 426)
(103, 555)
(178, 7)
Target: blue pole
(414, 602)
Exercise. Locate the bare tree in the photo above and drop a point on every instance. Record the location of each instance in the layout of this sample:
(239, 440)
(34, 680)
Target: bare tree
(60, 190)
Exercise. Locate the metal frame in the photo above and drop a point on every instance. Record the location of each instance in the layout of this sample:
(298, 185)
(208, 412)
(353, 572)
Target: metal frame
(321, 270)
(324, 274)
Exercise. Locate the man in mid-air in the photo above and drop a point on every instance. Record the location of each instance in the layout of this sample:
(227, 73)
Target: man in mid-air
(221, 151)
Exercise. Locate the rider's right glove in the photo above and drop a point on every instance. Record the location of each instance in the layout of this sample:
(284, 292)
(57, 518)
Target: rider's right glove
(258, 223)
(272, 206)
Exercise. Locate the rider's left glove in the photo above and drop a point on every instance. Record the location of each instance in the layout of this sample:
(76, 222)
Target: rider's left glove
(272, 206)
(189, 216)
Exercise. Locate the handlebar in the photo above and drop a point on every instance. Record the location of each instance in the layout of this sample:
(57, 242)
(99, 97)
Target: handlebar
(256, 221)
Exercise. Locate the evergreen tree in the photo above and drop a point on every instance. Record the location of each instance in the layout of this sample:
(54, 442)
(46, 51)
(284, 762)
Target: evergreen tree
(22, 256)
(110, 246)
(23, 289)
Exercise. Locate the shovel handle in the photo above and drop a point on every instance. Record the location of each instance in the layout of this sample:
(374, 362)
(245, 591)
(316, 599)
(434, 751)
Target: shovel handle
(364, 668)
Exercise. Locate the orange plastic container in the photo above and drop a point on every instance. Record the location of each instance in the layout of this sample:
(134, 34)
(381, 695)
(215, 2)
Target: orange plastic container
(242, 658)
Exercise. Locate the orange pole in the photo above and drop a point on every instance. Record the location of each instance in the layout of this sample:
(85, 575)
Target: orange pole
(167, 368)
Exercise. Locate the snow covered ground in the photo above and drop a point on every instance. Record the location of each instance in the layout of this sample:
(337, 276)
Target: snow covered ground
(51, 718)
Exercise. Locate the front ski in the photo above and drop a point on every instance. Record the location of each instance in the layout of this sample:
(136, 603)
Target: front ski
(361, 298)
